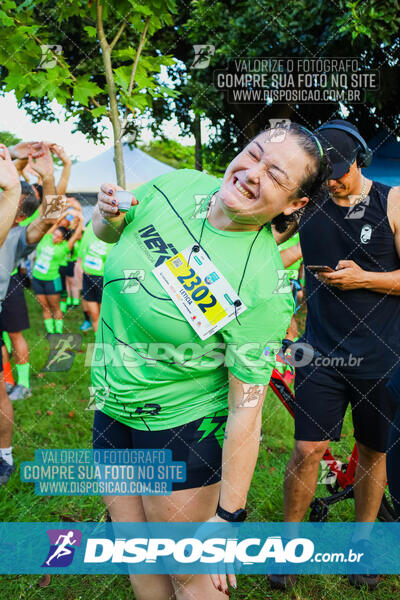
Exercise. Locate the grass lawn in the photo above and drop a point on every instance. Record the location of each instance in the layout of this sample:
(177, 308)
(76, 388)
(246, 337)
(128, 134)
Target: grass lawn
(56, 417)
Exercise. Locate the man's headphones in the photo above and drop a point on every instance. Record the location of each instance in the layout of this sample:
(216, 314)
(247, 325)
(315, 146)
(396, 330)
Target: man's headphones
(364, 154)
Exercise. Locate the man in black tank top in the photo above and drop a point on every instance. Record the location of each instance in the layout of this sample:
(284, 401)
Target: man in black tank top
(353, 327)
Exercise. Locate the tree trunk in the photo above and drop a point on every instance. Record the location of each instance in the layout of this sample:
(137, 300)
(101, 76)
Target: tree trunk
(119, 160)
(114, 118)
(114, 114)
(198, 151)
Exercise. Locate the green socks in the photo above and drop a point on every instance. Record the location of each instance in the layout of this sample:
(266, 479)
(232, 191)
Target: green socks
(75, 301)
(23, 374)
(63, 306)
(7, 341)
(59, 325)
(49, 324)
(54, 325)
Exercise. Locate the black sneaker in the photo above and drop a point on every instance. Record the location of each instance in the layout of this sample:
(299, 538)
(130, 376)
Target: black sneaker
(282, 582)
(369, 580)
(6, 471)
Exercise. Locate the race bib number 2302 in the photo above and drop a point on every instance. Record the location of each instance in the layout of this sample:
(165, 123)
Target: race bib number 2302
(199, 290)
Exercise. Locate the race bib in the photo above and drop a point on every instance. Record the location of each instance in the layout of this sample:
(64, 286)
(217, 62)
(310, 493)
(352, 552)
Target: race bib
(42, 267)
(98, 247)
(93, 262)
(200, 291)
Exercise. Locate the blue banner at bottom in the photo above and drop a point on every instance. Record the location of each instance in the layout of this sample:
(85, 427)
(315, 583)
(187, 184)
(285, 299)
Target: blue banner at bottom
(245, 548)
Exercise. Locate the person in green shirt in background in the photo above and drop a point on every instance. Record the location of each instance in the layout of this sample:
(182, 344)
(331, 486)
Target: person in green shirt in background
(78, 284)
(74, 278)
(93, 253)
(72, 285)
(291, 256)
(70, 222)
(51, 253)
(14, 318)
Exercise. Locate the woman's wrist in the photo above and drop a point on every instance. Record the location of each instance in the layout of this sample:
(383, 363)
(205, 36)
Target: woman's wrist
(230, 502)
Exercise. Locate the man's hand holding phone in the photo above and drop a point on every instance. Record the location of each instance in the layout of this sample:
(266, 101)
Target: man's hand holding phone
(347, 275)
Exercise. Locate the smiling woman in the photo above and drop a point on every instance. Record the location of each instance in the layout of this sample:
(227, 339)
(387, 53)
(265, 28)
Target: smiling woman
(273, 179)
(191, 314)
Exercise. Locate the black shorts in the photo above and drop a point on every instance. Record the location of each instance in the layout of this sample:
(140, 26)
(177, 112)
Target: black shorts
(14, 312)
(47, 287)
(322, 396)
(70, 268)
(92, 287)
(201, 451)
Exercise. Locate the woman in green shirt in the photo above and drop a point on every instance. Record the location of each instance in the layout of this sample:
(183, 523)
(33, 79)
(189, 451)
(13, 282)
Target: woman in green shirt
(189, 327)
(51, 253)
(93, 253)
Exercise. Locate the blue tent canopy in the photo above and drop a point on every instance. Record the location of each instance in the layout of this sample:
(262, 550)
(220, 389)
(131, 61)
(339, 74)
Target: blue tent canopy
(385, 166)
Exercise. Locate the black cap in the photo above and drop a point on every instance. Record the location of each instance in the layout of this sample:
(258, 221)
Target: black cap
(340, 146)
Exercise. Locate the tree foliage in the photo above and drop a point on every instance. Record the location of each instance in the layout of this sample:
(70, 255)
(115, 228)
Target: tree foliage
(94, 58)
(9, 139)
(368, 31)
(176, 155)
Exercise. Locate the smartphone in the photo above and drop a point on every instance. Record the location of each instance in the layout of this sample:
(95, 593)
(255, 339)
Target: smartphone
(320, 269)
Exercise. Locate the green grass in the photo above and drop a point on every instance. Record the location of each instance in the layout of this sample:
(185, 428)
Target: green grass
(65, 395)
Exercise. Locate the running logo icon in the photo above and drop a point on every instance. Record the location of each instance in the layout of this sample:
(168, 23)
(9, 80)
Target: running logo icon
(366, 233)
(62, 547)
(278, 129)
(357, 207)
(202, 55)
(62, 348)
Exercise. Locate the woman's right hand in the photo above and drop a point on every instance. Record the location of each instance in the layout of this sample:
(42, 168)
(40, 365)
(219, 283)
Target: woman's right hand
(108, 204)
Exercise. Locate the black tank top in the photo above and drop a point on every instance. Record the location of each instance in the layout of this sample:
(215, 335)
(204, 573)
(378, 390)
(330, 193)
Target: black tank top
(359, 322)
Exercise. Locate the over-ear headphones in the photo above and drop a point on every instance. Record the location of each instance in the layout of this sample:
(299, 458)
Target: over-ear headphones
(364, 154)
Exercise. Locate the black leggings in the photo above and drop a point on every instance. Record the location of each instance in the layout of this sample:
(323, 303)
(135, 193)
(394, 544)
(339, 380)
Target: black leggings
(393, 452)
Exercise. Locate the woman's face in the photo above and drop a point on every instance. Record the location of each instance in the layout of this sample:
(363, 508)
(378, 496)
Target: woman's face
(261, 181)
(57, 237)
(64, 223)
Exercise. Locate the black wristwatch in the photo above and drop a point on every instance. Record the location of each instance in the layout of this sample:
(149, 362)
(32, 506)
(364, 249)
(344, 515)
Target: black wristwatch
(236, 517)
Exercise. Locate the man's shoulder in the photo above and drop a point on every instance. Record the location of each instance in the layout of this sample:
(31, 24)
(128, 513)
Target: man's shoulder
(15, 243)
(14, 235)
(394, 193)
(393, 208)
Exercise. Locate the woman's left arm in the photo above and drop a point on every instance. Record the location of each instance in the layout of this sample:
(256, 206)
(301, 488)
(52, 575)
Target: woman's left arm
(239, 454)
(241, 444)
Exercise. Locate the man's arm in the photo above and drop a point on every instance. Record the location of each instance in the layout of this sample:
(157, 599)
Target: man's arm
(23, 149)
(350, 276)
(44, 167)
(66, 172)
(76, 233)
(108, 222)
(11, 192)
(40, 226)
(291, 255)
(20, 164)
